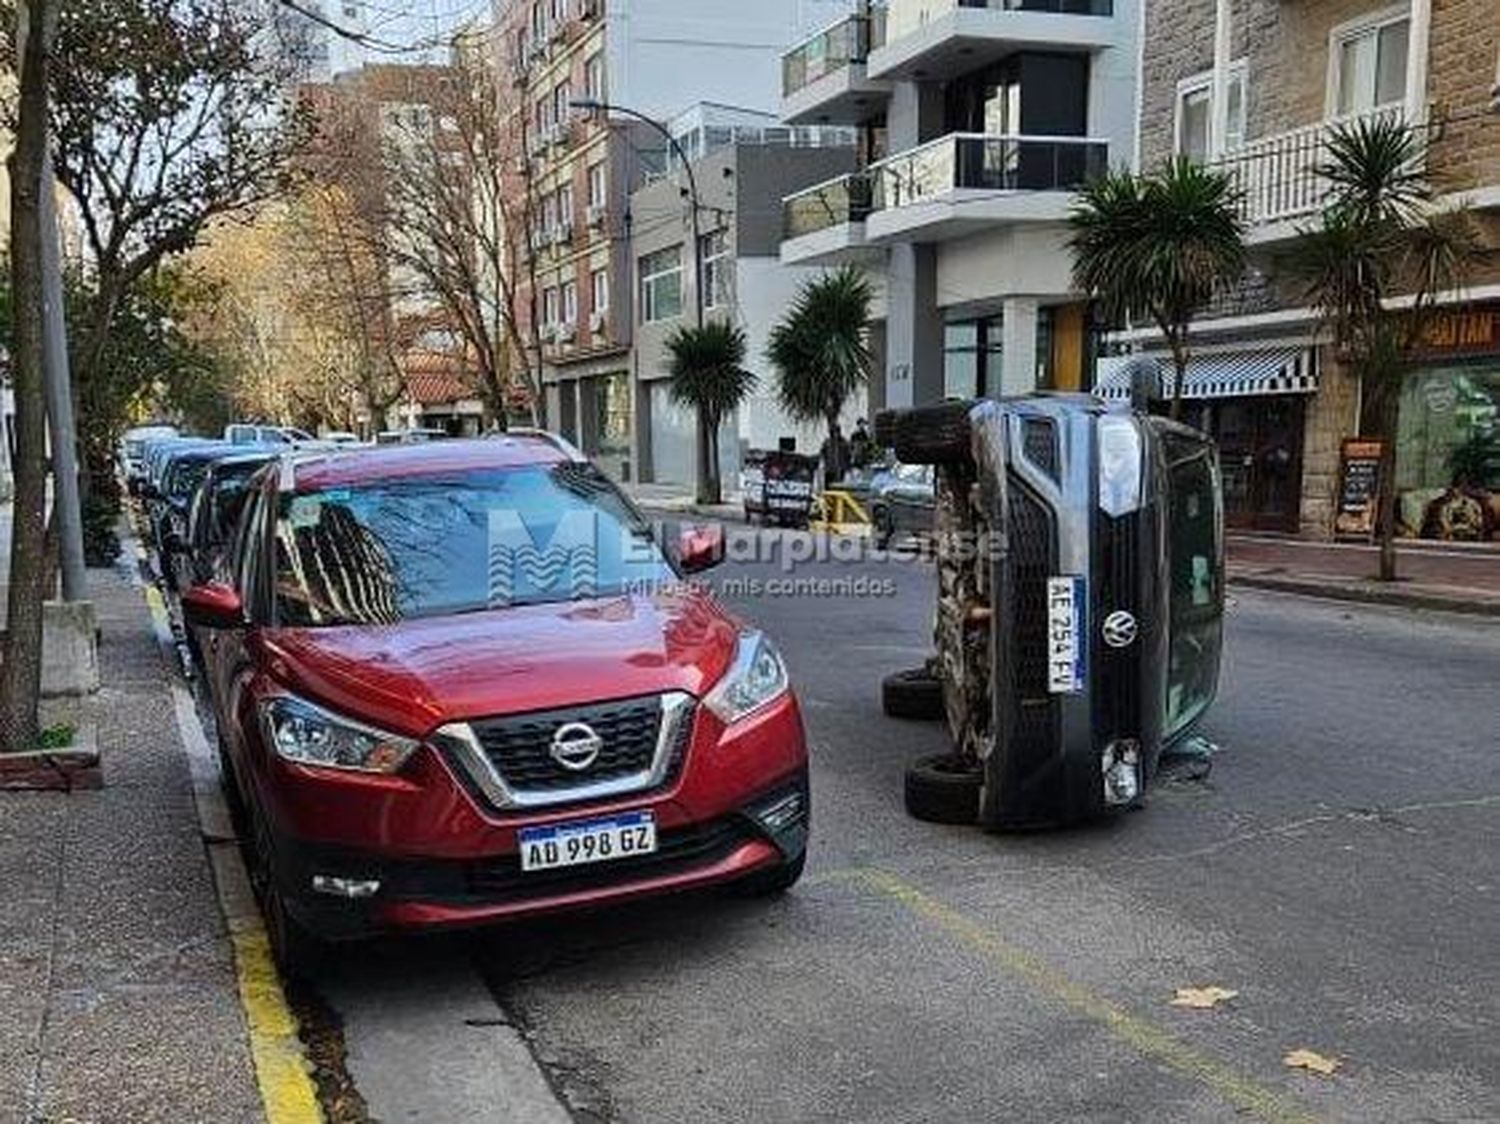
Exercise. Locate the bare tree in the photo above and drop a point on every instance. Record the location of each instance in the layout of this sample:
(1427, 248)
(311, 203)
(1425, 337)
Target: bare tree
(460, 207)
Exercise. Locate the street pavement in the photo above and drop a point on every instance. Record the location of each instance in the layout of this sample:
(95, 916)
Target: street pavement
(1339, 870)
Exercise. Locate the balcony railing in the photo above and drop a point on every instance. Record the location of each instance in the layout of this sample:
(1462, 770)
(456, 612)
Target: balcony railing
(905, 16)
(826, 205)
(849, 41)
(985, 162)
(1278, 175)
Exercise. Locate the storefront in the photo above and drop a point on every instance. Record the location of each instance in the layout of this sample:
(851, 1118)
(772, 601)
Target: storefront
(1254, 403)
(1448, 431)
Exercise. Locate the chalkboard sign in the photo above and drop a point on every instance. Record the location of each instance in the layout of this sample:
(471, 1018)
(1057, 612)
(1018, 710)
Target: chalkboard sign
(1359, 486)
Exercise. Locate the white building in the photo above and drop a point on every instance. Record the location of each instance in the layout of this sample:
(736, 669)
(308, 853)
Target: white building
(977, 119)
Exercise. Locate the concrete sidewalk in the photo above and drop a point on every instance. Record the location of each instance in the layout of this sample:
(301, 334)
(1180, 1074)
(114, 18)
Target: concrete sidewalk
(1451, 577)
(118, 995)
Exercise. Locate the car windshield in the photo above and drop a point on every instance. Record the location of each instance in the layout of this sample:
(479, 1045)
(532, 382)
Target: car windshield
(435, 546)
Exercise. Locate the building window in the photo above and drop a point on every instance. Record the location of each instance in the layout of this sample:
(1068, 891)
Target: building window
(600, 287)
(549, 213)
(570, 302)
(598, 185)
(551, 307)
(718, 270)
(561, 96)
(593, 77)
(1367, 63)
(565, 205)
(972, 357)
(661, 285)
(1195, 97)
(559, 11)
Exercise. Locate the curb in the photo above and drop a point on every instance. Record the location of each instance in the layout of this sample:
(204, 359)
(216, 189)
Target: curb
(283, 1075)
(1368, 595)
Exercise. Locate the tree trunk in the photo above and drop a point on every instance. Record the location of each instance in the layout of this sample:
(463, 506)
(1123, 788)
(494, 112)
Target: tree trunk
(834, 466)
(1179, 375)
(715, 484)
(21, 672)
(705, 472)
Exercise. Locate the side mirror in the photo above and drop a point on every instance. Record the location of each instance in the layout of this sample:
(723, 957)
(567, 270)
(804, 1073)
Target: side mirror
(700, 548)
(213, 605)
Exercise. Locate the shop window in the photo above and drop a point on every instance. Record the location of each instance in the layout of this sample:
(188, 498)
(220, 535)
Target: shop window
(1448, 453)
(661, 285)
(614, 409)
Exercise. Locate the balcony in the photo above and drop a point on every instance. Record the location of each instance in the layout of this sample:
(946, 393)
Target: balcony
(1278, 177)
(823, 79)
(951, 186)
(940, 39)
(825, 223)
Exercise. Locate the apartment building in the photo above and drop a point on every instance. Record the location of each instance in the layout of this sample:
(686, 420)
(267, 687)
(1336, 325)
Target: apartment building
(1253, 87)
(977, 120)
(743, 164)
(577, 169)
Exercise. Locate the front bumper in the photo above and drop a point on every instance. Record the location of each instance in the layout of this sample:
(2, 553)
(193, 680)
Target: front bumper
(442, 857)
(424, 894)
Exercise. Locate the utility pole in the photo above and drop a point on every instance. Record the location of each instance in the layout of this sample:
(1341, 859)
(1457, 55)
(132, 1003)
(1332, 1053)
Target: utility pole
(66, 505)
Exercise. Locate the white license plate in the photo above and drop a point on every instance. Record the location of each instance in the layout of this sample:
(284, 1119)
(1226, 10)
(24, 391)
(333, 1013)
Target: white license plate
(587, 841)
(1067, 635)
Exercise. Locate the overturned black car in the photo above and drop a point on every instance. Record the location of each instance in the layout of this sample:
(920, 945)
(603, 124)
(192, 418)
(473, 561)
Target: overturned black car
(1079, 553)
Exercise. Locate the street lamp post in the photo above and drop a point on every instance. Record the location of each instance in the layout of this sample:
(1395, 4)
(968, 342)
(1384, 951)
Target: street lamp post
(594, 105)
(708, 474)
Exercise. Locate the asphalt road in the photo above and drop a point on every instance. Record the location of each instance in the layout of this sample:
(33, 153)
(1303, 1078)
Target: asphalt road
(1340, 870)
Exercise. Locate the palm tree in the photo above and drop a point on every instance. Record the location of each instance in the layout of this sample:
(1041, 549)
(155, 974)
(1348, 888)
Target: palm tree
(821, 353)
(1158, 247)
(1379, 235)
(707, 365)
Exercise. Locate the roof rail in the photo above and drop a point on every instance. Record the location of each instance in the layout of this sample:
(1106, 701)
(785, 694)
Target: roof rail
(557, 441)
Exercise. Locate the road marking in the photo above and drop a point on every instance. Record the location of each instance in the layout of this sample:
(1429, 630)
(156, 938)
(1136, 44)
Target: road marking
(282, 1072)
(1138, 1033)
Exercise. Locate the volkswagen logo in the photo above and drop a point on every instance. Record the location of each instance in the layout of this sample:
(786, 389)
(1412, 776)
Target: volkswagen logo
(575, 746)
(1119, 629)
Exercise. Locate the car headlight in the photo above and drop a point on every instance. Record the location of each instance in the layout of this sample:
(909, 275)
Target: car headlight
(1120, 463)
(756, 677)
(310, 735)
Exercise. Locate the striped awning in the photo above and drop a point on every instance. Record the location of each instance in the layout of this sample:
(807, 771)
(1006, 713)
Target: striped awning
(1227, 374)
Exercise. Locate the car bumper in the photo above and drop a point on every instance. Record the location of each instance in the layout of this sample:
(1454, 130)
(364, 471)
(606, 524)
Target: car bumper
(443, 858)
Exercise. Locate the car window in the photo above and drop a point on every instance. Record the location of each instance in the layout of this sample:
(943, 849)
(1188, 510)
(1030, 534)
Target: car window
(1195, 561)
(247, 551)
(432, 546)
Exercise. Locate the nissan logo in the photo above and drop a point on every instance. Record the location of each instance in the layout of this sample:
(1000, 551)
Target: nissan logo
(575, 746)
(1119, 629)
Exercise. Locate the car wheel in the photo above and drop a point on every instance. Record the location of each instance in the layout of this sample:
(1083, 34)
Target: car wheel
(937, 434)
(297, 952)
(943, 789)
(916, 694)
(769, 883)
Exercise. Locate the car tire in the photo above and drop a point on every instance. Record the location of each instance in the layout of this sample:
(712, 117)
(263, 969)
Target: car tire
(915, 694)
(296, 950)
(937, 434)
(943, 788)
(769, 883)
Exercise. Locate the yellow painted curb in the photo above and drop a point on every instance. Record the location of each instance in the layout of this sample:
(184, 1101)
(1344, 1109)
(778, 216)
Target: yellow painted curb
(282, 1073)
(286, 1090)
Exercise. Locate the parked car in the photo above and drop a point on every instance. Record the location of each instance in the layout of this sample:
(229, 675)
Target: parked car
(901, 500)
(341, 437)
(215, 511)
(409, 436)
(462, 682)
(1080, 567)
(133, 447)
(169, 496)
(246, 433)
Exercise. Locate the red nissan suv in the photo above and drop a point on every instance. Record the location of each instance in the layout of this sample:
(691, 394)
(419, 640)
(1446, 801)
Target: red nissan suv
(462, 682)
